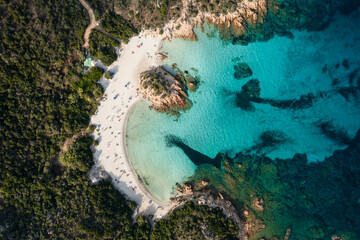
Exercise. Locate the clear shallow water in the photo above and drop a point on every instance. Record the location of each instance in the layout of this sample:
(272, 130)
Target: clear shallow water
(286, 68)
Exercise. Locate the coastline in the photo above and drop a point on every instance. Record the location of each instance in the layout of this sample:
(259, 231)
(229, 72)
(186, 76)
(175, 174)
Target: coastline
(138, 179)
(121, 94)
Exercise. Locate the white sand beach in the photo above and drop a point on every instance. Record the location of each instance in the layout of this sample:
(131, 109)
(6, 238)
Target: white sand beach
(121, 93)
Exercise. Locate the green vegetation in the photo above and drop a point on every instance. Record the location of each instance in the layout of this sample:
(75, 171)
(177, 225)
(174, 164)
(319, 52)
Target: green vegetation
(157, 83)
(87, 86)
(118, 27)
(108, 75)
(44, 100)
(79, 156)
(103, 47)
(195, 221)
(146, 13)
(92, 128)
(100, 8)
(163, 8)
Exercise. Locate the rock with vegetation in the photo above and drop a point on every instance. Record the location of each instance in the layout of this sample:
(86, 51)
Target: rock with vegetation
(249, 21)
(165, 91)
(242, 70)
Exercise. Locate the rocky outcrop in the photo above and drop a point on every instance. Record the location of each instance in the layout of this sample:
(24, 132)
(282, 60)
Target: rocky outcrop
(204, 182)
(192, 82)
(258, 204)
(186, 189)
(165, 91)
(258, 20)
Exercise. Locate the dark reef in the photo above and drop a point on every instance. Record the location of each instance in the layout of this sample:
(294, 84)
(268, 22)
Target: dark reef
(268, 140)
(315, 200)
(196, 157)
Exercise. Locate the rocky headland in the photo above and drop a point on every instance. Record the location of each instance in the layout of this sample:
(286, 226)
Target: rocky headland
(247, 21)
(212, 199)
(168, 93)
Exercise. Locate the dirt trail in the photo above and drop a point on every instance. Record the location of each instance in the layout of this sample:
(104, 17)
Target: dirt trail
(108, 34)
(68, 142)
(91, 25)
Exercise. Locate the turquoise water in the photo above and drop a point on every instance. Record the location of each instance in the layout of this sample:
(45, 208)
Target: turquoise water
(286, 68)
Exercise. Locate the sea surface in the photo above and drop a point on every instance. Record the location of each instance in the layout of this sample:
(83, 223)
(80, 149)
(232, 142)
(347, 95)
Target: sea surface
(322, 66)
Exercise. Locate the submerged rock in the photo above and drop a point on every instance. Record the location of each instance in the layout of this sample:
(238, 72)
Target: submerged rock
(249, 92)
(252, 88)
(242, 70)
(192, 82)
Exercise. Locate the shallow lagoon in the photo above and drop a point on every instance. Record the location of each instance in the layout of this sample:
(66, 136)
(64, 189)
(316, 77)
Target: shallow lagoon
(286, 68)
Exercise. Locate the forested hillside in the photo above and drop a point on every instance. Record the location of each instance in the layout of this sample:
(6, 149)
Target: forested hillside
(44, 99)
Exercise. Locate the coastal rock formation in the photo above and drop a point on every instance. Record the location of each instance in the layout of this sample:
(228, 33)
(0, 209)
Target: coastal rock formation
(192, 82)
(186, 189)
(242, 70)
(257, 20)
(165, 91)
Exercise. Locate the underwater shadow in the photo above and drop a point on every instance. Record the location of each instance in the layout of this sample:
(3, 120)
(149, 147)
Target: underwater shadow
(196, 157)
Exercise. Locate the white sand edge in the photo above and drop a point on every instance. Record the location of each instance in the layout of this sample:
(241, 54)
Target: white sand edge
(111, 117)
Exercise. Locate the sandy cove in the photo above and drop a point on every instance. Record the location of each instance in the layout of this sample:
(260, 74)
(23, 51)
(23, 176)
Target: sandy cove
(121, 93)
(110, 155)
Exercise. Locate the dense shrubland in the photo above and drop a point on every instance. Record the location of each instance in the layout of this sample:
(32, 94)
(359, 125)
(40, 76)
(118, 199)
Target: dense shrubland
(195, 221)
(44, 100)
(117, 26)
(103, 47)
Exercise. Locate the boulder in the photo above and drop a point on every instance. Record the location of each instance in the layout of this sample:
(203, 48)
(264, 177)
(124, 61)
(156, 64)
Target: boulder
(258, 204)
(204, 183)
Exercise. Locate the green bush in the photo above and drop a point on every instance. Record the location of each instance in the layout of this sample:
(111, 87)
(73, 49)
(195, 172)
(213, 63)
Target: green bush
(92, 128)
(102, 47)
